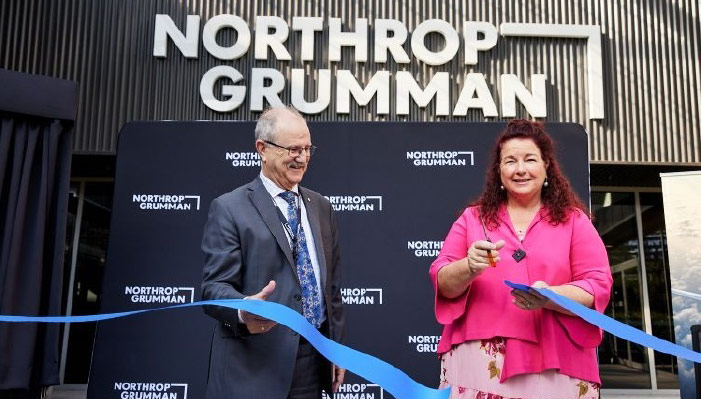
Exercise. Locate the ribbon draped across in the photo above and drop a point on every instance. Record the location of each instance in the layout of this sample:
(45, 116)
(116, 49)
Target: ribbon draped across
(391, 379)
(377, 371)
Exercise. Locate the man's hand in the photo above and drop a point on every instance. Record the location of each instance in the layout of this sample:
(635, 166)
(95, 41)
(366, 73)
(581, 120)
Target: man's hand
(254, 323)
(337, 378)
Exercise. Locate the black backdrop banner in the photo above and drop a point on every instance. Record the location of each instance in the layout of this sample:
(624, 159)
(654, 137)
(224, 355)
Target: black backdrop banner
(396, 187)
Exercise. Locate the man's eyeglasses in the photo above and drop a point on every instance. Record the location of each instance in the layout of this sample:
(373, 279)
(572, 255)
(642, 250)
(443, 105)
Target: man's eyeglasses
(294, 151)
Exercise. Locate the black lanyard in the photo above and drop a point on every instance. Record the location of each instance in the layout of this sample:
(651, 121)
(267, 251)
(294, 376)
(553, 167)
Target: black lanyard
(294, 235)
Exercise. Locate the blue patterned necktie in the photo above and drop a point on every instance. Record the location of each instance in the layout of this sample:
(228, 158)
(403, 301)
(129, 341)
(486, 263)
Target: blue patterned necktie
(311, 300)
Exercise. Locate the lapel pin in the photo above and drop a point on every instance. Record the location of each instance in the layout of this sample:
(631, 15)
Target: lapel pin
(309, 199)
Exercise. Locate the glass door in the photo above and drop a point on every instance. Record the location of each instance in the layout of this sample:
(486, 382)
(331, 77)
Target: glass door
(623, 365)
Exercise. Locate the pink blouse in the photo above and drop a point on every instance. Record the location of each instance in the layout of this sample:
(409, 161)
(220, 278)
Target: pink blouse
(568, 253)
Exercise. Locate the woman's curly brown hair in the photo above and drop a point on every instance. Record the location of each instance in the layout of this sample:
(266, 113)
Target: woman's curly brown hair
(558, 197)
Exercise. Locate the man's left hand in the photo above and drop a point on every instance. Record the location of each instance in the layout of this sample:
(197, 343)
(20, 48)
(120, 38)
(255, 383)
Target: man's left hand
(337, 378)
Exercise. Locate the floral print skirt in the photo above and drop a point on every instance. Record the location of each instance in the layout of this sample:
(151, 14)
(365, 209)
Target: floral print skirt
(473, 370)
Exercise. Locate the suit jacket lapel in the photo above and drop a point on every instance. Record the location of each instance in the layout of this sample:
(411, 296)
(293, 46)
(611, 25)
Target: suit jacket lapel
(313, 216)
(266, 207)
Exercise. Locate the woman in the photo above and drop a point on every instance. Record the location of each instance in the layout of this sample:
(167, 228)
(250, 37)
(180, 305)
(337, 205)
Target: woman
(537, 232)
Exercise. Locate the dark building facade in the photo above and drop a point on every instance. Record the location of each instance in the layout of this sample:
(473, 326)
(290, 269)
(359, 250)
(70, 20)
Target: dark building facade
(628, 71)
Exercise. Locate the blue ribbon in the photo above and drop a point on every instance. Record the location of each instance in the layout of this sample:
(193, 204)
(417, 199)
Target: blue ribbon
(377, 371)
(391, 379)
(612, 326)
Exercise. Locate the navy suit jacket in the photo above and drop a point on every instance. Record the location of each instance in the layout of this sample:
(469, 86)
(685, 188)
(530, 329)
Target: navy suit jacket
(245, 247)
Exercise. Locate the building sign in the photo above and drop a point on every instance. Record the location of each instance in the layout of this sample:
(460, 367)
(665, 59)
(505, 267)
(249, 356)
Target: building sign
(389, 37)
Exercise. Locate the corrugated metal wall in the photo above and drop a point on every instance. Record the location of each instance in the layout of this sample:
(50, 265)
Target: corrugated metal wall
(650, 60)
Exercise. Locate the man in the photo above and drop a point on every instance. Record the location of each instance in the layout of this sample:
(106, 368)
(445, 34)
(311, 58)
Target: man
(255, 247)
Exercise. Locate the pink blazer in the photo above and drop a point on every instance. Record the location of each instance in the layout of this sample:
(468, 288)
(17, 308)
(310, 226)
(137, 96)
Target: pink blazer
(569, 253)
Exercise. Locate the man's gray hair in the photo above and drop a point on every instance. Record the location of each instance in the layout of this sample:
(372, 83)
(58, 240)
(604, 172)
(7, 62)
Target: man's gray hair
(266, 128)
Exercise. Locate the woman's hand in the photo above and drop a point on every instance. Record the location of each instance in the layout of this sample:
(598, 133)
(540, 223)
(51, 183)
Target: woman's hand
(530, 300)
(453, 279)
(478, 255)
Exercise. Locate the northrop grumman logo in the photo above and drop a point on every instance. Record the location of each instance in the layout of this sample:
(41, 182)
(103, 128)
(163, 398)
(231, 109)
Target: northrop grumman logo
(441, 158)
(361, 296)
(357, 391)
(140, 294)
(243, 159)
(355, 203)
(425, 249)
(150, 390)
(176, 202)
(425, 343)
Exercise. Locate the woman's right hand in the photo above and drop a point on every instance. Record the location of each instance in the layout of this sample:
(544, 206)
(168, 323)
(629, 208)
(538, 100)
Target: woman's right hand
(478, 255)
(454, 278)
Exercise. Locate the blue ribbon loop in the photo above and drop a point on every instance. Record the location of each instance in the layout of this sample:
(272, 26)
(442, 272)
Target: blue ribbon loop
(377, 371)
(612, 326)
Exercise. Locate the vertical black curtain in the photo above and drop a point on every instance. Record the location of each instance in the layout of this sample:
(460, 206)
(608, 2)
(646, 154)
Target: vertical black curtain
(35, 157)
(35, 160)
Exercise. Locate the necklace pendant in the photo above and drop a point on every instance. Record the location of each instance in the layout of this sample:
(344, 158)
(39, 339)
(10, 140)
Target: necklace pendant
(518, 255)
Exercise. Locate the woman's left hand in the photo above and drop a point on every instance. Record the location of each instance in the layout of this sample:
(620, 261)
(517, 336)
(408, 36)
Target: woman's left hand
(530, 300)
